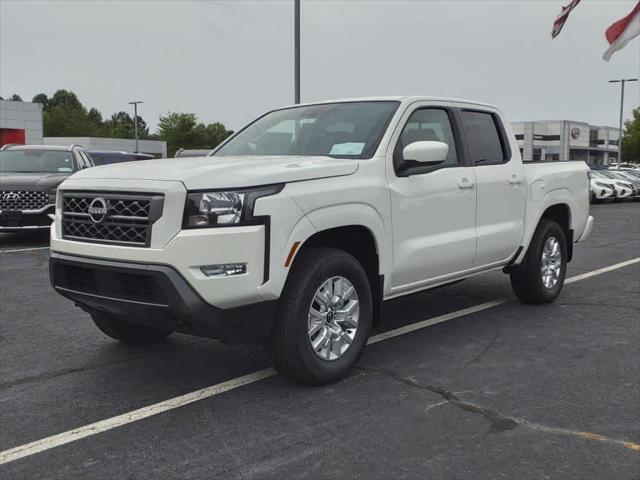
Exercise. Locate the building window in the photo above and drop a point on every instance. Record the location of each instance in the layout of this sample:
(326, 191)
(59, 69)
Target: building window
(537, 154)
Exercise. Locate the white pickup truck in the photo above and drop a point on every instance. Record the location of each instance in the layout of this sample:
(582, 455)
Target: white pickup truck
(295, 230)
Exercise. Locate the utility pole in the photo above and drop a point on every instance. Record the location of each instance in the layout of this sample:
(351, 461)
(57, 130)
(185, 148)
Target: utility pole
(621, 82)
(296, 49)
(135, 121)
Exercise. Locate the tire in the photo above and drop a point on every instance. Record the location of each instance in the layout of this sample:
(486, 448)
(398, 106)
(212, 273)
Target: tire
(290, 345)
(527, 278)
(127, 332)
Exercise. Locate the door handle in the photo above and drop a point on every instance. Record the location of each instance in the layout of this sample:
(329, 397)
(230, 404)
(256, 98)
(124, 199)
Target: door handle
(465, 184)
(515, 180)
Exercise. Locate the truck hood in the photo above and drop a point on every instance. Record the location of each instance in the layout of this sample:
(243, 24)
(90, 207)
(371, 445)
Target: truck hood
(225, 172)
(31, 181)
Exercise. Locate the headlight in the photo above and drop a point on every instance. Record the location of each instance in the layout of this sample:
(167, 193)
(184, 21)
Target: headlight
(224, 208)
(604, 185)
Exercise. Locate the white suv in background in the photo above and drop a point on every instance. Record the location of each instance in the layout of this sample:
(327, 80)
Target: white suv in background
(296, 229)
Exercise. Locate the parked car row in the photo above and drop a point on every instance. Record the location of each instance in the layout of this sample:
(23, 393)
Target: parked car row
(615, 185)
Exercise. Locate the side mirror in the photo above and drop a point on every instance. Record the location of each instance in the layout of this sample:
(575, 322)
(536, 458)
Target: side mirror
(427, 153)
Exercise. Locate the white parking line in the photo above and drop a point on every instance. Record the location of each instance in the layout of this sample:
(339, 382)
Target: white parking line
(23, 249)
(69, 436)
(584, 276)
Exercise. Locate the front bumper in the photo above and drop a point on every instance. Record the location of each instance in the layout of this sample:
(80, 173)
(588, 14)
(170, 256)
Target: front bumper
(24, 220)
(156, 296)
(601, 193)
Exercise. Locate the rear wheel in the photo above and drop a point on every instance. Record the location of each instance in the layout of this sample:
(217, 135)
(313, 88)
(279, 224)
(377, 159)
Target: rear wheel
(324, 318)
(540, 277)
(128, 332)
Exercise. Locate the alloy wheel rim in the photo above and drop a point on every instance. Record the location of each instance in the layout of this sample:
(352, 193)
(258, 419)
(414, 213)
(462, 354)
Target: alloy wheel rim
(333, 318)
(551, 266)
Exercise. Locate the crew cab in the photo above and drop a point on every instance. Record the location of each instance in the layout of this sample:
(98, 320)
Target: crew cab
(29, 176)
(294, 230)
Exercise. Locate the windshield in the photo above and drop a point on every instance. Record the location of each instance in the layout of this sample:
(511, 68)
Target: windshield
(339, 130)
(36, 161)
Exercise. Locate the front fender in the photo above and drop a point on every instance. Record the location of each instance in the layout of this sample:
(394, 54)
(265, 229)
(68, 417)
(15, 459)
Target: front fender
(355, 214)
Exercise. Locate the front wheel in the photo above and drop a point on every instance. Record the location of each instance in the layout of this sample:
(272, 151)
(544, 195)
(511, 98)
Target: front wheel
(324, 318)
(540, 277)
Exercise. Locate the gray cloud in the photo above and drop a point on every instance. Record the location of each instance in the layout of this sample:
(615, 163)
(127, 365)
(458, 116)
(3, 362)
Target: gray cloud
(231, 60)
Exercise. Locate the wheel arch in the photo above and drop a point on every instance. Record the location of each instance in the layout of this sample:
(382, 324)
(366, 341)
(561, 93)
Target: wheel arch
(558, 210)
(360, 242)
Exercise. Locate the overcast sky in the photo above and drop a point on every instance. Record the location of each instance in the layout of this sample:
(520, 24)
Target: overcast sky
(229, 61)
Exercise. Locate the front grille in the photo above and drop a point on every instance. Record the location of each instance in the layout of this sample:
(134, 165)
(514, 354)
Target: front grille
(113, 218)
(23, 199)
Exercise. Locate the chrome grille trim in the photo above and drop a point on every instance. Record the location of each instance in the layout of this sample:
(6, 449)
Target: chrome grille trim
(23, 199)
(128, 220)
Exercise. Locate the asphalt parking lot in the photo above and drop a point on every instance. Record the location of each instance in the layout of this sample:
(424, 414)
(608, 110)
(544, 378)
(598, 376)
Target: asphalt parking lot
(505, 391)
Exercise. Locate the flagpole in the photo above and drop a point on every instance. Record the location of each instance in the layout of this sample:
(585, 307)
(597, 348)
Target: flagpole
(296, 50)
(622, 82)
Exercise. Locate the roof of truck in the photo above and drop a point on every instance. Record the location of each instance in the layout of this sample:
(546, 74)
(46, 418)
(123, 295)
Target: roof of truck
(403, 99)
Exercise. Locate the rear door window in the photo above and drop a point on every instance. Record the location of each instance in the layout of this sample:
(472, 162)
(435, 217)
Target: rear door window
(485, 139)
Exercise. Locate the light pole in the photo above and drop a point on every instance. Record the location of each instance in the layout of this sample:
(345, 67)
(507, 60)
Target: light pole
(135, 120)
(621, 82)
(296, 49)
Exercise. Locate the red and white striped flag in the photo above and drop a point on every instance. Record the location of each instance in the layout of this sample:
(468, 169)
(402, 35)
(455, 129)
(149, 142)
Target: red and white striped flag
(622, 32)
(561, 19)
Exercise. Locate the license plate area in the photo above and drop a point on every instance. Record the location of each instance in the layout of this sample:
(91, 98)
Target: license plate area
(10, 218)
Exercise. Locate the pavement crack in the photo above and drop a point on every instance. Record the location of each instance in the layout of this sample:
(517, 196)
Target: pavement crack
(499, 422)
(485, 349)
(41, 376)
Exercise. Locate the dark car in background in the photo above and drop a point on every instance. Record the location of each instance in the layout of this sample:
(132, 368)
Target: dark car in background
(29, 177)
(106, 157)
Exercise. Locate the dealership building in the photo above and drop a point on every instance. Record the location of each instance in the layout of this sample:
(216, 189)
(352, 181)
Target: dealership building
(566, 140)
(21, 122)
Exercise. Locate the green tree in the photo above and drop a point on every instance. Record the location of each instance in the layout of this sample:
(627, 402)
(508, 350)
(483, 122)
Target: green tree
(65, 116)
(178, 130)
(216, 134)
(121, 126)
(65, 98)
(182, 130)
(631, 139)
(15, 98)
(42, 99)
(95, 116)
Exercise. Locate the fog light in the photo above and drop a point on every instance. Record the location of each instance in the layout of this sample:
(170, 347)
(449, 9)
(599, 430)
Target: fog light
(224, 269)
